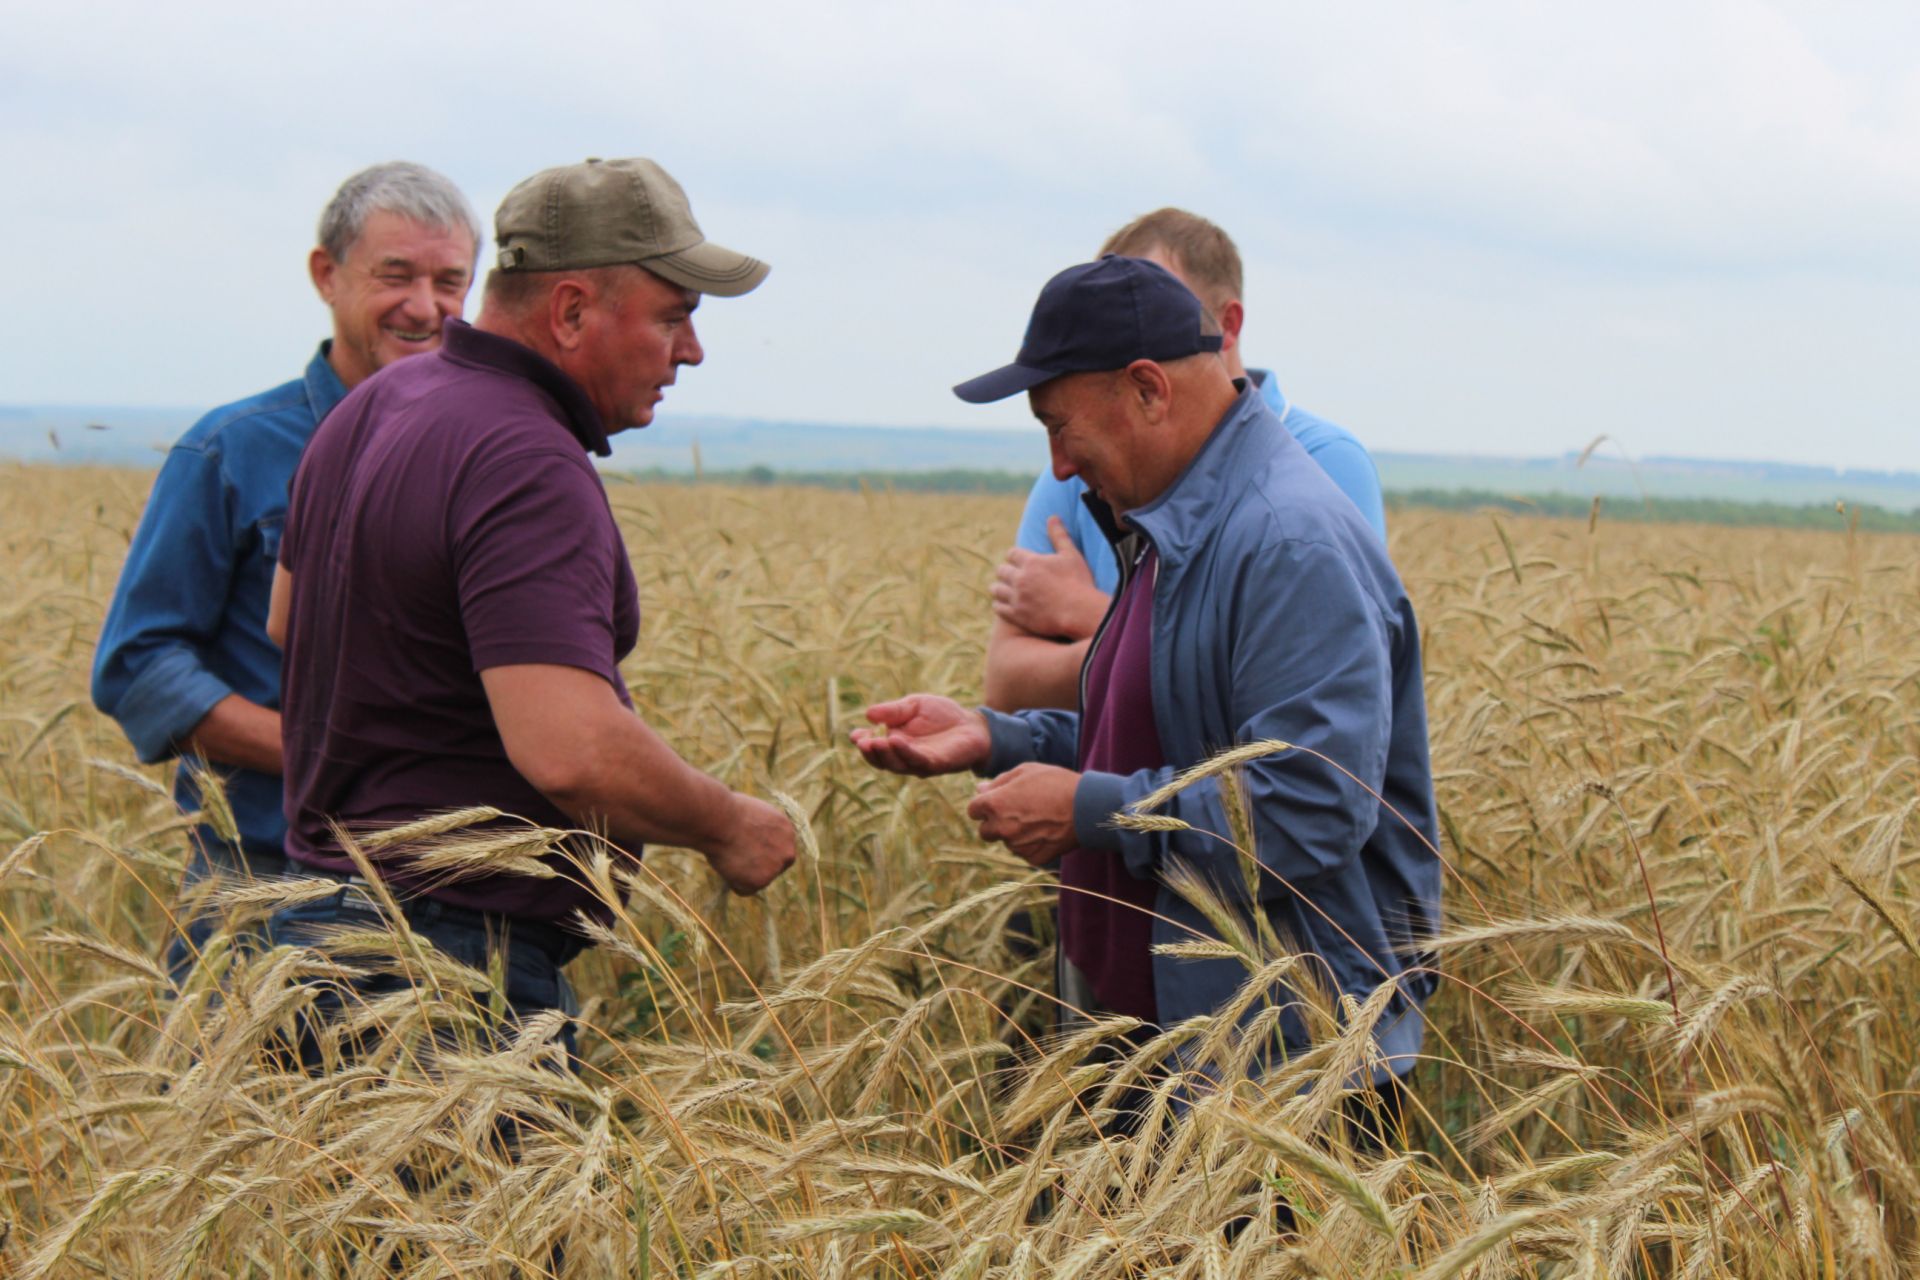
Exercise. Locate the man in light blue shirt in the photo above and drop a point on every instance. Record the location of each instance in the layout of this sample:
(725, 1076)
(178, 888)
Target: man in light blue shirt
(1052, 591)
(184, 663)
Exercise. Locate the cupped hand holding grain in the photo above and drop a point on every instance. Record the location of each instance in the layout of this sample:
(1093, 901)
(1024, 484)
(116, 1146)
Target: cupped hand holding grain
(924, 734)
(1029, 808)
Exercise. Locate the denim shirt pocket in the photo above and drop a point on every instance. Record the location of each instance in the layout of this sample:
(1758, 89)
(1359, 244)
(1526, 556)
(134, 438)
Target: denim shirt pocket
(268, 531)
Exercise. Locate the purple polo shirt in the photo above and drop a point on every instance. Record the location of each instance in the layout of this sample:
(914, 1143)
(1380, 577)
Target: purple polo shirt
(1106, 913)
(444, 520)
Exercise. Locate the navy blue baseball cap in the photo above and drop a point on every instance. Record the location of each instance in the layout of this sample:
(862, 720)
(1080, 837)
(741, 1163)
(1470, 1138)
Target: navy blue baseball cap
(1096, 316)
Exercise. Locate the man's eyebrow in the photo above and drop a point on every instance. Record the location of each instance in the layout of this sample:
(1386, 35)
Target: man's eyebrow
(398, 262)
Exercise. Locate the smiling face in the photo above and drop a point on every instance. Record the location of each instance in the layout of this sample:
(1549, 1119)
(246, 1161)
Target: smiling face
(391, 290)
(1091, 433)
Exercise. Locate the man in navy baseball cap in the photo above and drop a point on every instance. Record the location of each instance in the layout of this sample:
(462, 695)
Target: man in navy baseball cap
(1098, 316)
(1122, 365)
(1255, 604)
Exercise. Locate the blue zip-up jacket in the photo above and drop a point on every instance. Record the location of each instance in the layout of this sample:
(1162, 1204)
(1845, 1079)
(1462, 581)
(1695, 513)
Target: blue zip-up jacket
(188, 622)
(1276, 614)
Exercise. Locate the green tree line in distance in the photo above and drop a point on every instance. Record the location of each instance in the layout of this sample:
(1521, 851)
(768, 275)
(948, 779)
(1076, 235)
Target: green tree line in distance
(1718, 511)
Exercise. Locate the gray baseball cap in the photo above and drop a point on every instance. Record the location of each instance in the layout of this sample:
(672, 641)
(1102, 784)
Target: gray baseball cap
(601, 213)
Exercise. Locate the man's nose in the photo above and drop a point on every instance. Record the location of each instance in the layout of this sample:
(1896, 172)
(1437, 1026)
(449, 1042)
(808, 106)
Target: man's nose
(687, 348)
(1062, 468)
(422, 302)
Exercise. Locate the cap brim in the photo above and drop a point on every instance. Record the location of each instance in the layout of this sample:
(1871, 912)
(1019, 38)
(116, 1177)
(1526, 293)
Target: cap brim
(1008, 380)
(708, 268)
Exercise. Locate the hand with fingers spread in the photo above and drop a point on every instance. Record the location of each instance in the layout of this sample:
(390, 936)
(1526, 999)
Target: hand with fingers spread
(1049, 595)
(1029, 808)
(926, 734)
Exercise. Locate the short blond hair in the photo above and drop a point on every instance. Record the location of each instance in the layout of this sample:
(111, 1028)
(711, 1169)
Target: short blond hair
(1206, 255)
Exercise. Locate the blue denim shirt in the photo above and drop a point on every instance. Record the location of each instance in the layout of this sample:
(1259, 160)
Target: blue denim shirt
(1276, 614)
(188, 623)
(1343, 458)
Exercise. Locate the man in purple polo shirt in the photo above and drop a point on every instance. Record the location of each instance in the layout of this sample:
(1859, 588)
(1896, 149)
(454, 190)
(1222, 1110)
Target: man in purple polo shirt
(1255, 603)
(455, 598)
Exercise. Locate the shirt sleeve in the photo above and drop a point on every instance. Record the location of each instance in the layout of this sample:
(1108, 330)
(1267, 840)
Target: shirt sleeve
(1047, 736)
(290, 530)
(533, 558)
(1051, 497)
(1048, 497)
(149, 671)
(1349, 466)
(1313, 806)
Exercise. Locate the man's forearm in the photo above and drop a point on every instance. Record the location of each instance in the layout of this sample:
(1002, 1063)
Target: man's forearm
(239, 732)
(645, 793)
(1026, 671)
(568, 734)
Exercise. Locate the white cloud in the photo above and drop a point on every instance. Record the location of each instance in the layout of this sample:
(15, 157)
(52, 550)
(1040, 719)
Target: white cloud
(1471, 221)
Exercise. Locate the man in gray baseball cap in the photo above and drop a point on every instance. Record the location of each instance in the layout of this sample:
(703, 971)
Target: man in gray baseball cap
(455, 597)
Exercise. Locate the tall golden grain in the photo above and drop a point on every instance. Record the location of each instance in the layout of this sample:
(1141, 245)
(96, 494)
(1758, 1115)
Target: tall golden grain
(1678, 1033)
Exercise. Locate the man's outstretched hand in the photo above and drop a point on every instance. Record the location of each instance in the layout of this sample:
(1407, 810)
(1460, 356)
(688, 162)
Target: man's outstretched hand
(925, 734)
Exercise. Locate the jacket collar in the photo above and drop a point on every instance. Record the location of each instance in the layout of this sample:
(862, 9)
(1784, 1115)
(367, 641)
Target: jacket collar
(323, 385)
(1270, 392)
(462, 342)
(1236, 449)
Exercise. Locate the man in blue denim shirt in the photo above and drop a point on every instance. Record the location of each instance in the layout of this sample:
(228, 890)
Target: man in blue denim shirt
(184, 663)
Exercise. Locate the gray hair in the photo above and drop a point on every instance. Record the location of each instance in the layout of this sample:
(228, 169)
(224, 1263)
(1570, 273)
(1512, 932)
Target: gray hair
(401, 187)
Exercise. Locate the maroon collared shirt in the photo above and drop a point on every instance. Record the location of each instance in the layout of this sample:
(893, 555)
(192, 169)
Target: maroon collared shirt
(1106, 912)
(444, 520)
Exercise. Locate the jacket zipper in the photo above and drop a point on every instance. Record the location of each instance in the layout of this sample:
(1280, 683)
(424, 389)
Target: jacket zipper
(1113, 605)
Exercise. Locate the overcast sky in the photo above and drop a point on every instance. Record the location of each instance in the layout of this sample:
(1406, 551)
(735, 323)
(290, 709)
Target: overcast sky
(1472, 227)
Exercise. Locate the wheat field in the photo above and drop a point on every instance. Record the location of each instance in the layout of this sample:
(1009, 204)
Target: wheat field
(1678, 1031)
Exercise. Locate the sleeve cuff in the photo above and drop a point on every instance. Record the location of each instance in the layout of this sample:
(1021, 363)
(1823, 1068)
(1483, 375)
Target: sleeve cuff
(1095, 800)
(172, 694)
(1011, 739)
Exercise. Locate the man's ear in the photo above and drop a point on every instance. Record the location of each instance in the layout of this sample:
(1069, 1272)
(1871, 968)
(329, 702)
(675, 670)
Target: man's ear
(567, 307)
(324, 272)
(1232, 315)
(1147, 384)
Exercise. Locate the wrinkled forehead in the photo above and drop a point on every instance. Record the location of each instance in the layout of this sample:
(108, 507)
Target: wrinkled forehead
(387, 236)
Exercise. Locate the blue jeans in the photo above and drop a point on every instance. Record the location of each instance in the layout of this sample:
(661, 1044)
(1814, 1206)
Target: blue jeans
(210, 856)
(531, 963)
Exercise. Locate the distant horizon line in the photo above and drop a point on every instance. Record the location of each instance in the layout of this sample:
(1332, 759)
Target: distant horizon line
(23, 416)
